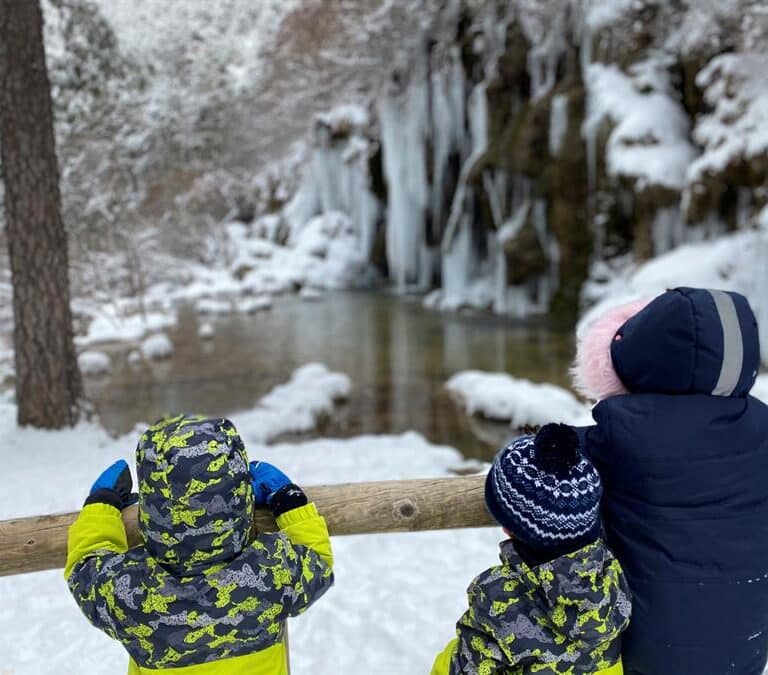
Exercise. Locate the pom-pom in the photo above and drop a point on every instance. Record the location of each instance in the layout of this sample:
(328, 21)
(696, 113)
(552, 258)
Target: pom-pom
(557, 449)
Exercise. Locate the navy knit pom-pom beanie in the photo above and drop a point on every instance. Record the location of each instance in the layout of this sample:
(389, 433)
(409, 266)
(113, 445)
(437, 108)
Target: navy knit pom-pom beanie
(544, 491)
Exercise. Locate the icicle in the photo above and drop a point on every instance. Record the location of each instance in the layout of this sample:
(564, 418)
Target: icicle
(404, 126)
(448, 133)
(457, 266)
(478, 118)
(544, 57)
(744, 208)
(496, 250)
(558, 124)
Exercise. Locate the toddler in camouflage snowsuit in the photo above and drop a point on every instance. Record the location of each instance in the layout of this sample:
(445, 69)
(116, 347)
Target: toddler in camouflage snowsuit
(558, 603)
(201, 595)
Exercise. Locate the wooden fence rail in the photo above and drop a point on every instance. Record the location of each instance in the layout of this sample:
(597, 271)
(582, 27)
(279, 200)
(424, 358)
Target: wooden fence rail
(40, 542)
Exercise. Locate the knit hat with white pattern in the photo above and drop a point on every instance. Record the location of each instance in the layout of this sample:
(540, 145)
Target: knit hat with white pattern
(545, 492)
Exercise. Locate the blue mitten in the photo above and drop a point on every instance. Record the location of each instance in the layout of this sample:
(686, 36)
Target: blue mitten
(272, 488)
(113, 487)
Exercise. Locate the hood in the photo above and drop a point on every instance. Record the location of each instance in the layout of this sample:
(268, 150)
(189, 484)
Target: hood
(689, 341)
(584, 592)
(195, 497)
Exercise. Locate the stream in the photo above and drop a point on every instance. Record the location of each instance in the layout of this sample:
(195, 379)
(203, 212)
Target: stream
(397, 354)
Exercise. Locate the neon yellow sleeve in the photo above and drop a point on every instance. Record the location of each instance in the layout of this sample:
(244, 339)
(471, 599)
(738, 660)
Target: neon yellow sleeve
(306, 527)
(442, 664)
(99, 527)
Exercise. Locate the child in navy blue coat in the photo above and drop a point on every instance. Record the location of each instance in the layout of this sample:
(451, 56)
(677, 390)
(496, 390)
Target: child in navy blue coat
(682, 449)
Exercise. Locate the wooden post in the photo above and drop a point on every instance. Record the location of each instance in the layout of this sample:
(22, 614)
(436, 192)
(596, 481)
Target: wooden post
(40, 542)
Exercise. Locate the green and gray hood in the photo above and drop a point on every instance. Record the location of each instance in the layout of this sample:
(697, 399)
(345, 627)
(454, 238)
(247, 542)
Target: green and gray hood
(195, 497)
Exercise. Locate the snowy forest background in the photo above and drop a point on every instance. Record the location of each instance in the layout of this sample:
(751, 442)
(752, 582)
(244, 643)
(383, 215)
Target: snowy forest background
(526, 157)
(499, 167)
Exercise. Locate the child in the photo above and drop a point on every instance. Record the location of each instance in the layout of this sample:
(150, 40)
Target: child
(558, 602)
(683, 452)
(201, 595)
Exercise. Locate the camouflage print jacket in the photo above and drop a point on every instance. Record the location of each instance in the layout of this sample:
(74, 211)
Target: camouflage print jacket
(201, 595)
(565, 617)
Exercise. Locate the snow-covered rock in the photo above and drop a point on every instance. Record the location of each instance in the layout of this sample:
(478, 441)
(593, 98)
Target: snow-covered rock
(310, 294)
(156, 347)
(297, 405)
(252, 305)
(649, 141)
(521, 402)
(736, 130)
(112, 326)
(213, 306)
(206, 331)
(94, 363)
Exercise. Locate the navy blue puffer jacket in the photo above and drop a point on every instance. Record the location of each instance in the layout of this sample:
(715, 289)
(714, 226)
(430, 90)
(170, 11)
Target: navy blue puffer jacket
(684, 460)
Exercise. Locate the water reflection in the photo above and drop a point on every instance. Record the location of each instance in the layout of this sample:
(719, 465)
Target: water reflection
(397, 354)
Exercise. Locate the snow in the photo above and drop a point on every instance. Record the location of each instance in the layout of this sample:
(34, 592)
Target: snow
(387, 596)
(310, 294)
(344, 117)
(253, 305)
(297, 405)
(737, 262)
(760, 390)
(94, 363)
(499, 396)
(735, 131)
(649, 141)
(206, 331)
(212, 306)
(156, 347)
(111, 325)
(602, 13)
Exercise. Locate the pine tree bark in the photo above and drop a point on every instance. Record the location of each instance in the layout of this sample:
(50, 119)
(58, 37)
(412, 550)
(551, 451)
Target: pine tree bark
(48, 382)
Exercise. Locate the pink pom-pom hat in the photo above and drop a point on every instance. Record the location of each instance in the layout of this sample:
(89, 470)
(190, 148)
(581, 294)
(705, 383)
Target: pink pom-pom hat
(593, 374)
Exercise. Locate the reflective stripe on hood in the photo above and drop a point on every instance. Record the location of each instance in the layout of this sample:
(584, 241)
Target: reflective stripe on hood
(689, 341)
(195, 497)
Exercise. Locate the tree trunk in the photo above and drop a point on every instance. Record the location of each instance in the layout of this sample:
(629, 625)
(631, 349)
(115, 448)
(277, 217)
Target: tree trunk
(48, 383)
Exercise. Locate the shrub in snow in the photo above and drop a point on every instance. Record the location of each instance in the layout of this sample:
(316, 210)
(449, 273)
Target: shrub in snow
(134, 357)
(499, 396)
(94, 363)
(157, 347)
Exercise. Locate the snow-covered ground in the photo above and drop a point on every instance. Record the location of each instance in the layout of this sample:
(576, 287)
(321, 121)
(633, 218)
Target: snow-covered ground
(737, 262)
(396, 598)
